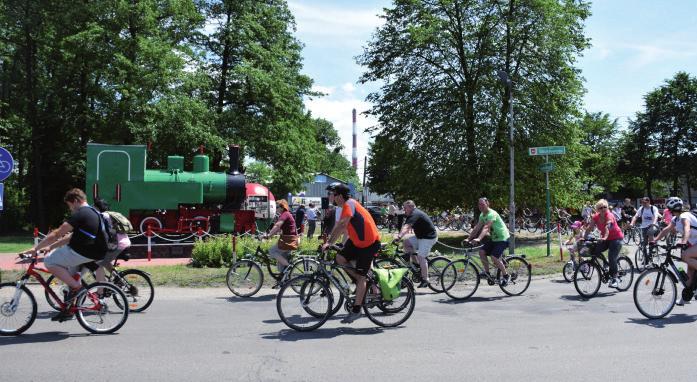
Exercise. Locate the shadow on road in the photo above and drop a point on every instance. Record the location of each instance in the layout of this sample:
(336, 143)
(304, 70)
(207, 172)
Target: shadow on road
(471, 299)
(559, 281)
(321, 333)
(680, 318)
(576, 297)
(266, 297)
(34, 338)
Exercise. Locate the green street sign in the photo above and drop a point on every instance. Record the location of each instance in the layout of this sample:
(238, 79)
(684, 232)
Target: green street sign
(547, 167)
(547, 150)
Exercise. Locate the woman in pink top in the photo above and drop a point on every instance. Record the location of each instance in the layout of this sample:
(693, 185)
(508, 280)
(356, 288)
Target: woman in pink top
(610, 237)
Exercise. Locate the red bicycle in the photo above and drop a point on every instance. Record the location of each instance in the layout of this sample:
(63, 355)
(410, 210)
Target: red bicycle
(100, 308)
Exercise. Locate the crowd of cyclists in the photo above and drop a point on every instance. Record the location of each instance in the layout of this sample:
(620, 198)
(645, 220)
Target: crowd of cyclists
(83, 238)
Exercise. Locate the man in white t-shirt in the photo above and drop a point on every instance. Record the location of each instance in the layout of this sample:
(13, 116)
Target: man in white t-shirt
(686, 224)
(649, 216)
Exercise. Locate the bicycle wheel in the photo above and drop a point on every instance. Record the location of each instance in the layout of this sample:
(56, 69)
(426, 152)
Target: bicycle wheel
(137, 287)
(102, 308)
(307, 310)
(244, 278)
(303, 266)
(460, 279)
(625, 273)
(568, 271)
(519, 270)
(391, 313)
(435, 270)
(655, 293)
(625, 234)
(639, 260)
(16, 316)
(587, 279)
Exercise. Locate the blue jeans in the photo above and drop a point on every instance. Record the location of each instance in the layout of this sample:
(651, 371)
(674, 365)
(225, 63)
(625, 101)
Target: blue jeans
(613, 248)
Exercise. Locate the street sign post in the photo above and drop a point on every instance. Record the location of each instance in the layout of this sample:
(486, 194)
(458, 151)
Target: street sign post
(1, 195)
(547, 150)
(547, 167)
(6, 164)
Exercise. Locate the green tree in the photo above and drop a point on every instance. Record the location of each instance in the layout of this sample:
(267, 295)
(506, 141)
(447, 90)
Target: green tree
(600, 151)
(442, 113)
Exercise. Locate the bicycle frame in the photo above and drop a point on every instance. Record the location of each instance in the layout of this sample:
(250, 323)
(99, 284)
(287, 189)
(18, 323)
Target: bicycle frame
(669, 262)
(32, 272)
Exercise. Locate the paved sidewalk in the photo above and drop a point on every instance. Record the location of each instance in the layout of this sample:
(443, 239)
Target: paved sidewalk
(9, 261)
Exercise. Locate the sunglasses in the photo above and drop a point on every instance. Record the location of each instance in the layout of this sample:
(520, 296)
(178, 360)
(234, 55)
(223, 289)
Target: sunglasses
(602, 208)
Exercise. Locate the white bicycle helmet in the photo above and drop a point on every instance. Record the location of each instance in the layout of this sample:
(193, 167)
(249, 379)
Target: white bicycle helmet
(674, 203)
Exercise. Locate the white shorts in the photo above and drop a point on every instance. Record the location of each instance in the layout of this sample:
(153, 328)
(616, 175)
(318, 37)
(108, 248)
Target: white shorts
(66, 257)
(422, 246)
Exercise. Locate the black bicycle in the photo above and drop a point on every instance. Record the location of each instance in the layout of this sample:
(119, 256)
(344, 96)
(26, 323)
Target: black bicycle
(436, 264)
(655, 290)
(135, 284)
(245, 277)
(594, 271)
(313, 304)
(646, 255)
(461, 278)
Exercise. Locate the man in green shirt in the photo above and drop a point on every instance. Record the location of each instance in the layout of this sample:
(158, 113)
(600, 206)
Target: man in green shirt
(490, 224)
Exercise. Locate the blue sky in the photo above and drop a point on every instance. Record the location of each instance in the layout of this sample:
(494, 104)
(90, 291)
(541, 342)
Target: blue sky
(637, 45)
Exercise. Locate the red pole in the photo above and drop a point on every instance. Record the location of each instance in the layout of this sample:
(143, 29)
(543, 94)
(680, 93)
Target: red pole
(199, 232)
(148, 233)
(561, 250)
(36, 236)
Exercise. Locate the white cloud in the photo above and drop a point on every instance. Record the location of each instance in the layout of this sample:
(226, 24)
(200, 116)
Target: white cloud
(348, 87)
(328, 90)
(330, 22)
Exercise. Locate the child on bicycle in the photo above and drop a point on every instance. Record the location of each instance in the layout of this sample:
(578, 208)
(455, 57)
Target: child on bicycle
(573, 241)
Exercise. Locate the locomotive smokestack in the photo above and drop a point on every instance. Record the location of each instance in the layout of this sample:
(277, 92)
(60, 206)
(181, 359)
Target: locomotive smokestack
(234, 153)
(354, 156)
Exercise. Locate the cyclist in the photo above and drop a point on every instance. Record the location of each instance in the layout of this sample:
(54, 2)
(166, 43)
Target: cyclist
(363, 243)
(288, 240)
(685, 223)
(610, 237)
(122, 239)
(628, 211)
(79, 240)
(419, 245)
(490, 224)
(576, 236)
(649, 219)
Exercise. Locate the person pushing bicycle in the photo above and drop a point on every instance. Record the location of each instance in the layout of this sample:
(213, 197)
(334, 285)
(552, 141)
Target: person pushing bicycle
(490, 224)
(288, 241)
(362, 245)
(80, 239)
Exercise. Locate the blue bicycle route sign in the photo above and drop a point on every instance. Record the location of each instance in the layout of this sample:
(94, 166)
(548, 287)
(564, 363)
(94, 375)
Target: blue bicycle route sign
(6, 164)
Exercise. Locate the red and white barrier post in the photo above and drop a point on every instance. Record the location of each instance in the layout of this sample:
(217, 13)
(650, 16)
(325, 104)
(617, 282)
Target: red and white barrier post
(561, 245)
(234, 249)
(148, 233)
(36, 236)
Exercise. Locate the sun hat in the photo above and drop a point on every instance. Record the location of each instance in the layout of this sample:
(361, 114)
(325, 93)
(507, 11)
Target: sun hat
(577, 224)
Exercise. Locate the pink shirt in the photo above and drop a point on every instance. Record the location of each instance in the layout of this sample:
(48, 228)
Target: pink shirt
(615, 230)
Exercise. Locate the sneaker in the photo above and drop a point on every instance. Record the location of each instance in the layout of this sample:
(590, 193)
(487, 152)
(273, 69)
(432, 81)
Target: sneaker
(614, 283)
(423, 284)
(276, 286)
(484, 275)
(73, 293)
(679, 302)
(351, 317)
(63, 315)
(504, 280)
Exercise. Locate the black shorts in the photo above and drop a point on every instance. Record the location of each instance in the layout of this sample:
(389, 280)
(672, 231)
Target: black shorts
(362, 256)
(495, 248)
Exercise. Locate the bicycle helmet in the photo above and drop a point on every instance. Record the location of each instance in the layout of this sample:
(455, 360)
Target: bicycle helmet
(332, 187)
(674, 203)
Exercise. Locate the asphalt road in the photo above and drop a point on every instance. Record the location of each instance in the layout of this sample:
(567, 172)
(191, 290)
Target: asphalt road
(549, 333)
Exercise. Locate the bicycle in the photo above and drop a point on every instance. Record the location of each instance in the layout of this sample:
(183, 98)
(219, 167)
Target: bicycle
(645, 256)
(312, 306)
(461, 278)
(590, 273)
(653, 297)
(135, 284)
(436, 264)
(245, 277)
(632, 234)
(100, 308)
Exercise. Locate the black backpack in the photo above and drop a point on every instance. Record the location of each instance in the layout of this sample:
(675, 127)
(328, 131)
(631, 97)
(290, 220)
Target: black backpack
(106, 237)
